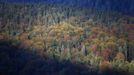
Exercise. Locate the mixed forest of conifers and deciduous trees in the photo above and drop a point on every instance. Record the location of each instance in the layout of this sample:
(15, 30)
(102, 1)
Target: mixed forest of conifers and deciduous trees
(100, 40)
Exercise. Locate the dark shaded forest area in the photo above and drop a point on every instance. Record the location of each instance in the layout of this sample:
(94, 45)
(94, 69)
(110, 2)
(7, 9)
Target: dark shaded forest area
(123, 6)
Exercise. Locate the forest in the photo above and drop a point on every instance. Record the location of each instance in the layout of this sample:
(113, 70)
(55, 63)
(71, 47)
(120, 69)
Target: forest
(100, 40)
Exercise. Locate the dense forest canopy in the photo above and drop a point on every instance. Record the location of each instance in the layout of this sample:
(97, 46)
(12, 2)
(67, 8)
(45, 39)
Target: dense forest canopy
(123, 6)
(66, 37)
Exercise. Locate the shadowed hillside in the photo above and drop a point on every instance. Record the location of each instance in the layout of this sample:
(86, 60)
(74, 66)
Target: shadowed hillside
(17, 61)
(123, 6)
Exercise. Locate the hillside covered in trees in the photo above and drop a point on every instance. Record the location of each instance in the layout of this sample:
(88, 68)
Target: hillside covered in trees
(101, 42)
